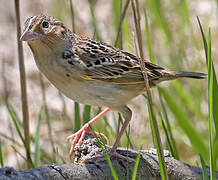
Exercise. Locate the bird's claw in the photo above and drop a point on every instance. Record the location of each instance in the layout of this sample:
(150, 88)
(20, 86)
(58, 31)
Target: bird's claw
(80, 135)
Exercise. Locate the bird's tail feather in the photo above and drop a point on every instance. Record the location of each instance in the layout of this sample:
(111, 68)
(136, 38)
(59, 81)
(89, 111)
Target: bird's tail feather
(195, 75)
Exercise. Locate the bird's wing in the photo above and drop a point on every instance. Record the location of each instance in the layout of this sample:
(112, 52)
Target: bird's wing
(100, 61)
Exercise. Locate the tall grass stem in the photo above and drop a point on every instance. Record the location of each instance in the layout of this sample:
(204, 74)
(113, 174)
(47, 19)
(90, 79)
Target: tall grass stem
(25, 110)
(157, 139)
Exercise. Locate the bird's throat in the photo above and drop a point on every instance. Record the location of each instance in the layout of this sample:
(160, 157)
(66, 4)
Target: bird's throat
(44, 49)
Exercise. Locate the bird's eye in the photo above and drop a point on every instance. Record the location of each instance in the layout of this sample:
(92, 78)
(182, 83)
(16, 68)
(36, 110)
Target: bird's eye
(45, 24)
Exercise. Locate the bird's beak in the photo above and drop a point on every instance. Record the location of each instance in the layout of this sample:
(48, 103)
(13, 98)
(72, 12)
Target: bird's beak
(29, 35)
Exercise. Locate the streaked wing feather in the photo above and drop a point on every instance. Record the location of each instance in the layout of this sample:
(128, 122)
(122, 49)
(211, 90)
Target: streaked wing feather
(105, 63)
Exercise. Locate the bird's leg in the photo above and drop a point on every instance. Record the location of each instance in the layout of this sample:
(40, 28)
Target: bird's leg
(79, 135)
(127, 114)
(120, 134)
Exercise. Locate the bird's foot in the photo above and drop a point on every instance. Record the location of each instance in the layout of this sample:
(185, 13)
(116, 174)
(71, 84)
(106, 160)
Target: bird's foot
(103, 156)
(78, 137)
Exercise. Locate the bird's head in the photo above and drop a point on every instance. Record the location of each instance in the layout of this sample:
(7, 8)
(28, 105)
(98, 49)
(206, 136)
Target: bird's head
(45, 31)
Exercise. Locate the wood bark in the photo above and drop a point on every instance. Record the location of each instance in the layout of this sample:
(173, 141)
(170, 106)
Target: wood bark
(148, 167)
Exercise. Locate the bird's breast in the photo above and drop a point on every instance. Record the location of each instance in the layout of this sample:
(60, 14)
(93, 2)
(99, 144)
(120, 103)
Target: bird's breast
(91, 92)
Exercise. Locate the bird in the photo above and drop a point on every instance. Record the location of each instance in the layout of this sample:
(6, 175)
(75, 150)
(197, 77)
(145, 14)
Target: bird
(90, 71)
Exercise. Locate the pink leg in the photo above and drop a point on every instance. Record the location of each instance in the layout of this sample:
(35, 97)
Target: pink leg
(125, 124)
(126, 112)
(86, 128)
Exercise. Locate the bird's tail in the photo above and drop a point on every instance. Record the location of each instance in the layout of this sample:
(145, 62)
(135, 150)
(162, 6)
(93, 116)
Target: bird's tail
(170, 75)
(195, 75)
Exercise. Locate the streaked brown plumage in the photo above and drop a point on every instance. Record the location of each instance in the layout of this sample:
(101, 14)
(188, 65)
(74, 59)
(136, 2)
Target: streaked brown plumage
(90, 71)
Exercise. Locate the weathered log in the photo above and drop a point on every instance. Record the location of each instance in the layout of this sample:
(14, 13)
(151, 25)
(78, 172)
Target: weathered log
(148, 167)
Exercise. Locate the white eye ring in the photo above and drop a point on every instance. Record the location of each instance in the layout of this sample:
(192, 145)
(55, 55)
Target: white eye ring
(45, 24)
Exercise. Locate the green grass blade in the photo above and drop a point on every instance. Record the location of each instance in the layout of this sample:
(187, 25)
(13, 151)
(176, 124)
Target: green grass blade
(47, 115)
(36, 142)
(14, 120)
(45, 157)
(108, 128)
(1, 155)
(168, 127)
(86, 114)
(174, 152)
(215, 153)
(9, 138)
(184, 95)
(189, 100)
(126, 32)
(148, 39)
(116, 12)
(204, 169)
(184, 123)
(72, 16)
(160, 160)
(20, 154)
(210, 99)
(120, 172)
(48, 122)
(152, 116)
(215, 84)
(215, 97)
(212, 93)
(203, 38)
(77, 121)
(159, 18)
(215, 101)
(136, 166)
(107, 157)
(186, 16)
(94, 23)
(9, 105)
(121, 26)
(169, 141)
(58, 158)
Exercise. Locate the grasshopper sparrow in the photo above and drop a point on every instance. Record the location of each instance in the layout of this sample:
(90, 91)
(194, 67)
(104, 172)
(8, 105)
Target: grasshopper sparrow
(89, 71)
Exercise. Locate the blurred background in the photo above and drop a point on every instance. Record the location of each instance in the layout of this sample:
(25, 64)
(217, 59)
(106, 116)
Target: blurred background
(176, 43)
